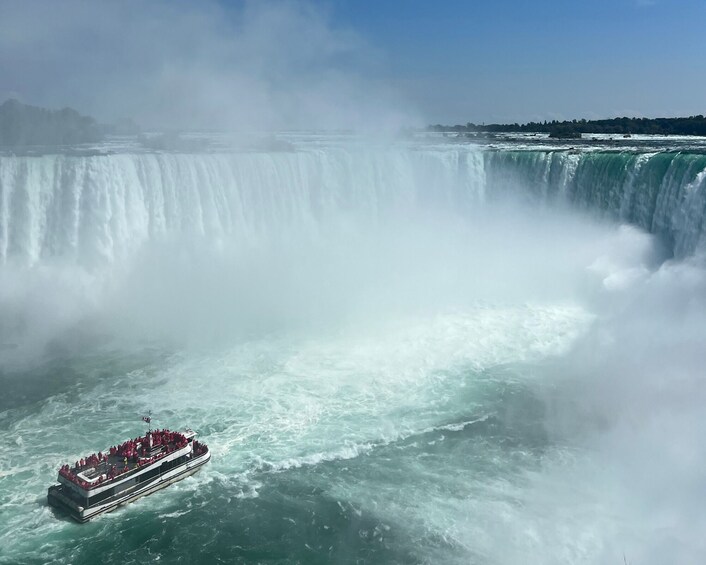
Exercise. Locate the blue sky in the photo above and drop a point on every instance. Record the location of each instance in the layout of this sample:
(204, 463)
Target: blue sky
(355, 63)
(520, 60)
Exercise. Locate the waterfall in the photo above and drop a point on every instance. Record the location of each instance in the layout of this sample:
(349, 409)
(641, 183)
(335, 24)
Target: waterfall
(663, 192)
(95, 210)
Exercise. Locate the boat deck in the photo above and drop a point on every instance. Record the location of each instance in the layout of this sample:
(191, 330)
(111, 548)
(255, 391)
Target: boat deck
(97, 469)
(120, 462)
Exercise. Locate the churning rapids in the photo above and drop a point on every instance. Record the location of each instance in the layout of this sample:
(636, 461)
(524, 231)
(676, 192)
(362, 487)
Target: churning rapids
(421, 352)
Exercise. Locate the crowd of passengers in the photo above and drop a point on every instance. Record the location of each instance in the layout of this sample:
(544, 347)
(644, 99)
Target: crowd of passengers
(129, 449)
(134, 450)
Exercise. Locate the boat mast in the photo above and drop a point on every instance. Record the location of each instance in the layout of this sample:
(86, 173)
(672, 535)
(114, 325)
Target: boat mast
(148, 419)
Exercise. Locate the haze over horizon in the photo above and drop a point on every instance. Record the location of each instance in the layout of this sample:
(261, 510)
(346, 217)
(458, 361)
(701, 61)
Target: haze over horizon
(325, 65)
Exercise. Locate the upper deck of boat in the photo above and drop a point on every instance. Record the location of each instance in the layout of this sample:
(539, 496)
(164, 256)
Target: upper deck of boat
(132, 454)
(123, 463)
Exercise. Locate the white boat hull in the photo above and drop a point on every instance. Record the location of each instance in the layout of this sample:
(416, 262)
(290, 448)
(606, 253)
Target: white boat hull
(58, 499)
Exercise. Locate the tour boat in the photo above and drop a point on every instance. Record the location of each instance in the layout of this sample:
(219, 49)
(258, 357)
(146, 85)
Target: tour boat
(138, 467)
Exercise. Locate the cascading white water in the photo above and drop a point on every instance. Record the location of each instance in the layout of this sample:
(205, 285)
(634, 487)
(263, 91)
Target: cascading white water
(139, 232)
(100, 209)
(97, 210)
(661, 192)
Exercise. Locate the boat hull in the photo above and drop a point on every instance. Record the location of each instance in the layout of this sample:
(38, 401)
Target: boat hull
(58, 499)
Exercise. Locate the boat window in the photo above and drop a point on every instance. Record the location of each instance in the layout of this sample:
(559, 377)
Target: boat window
(101, 496)
(149, 474)
(168, 465)
(75, 496)
(126, 485)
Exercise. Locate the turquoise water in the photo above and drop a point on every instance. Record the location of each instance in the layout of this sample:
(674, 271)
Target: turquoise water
(318, 456)
(425, 354)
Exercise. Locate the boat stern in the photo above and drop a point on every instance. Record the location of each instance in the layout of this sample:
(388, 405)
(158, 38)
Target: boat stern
(57, 498)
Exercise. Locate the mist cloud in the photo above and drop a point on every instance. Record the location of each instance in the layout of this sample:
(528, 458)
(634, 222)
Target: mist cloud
(196, 65)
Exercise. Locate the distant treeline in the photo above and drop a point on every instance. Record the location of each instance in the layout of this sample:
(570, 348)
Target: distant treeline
(693, 125)
(22, 125)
